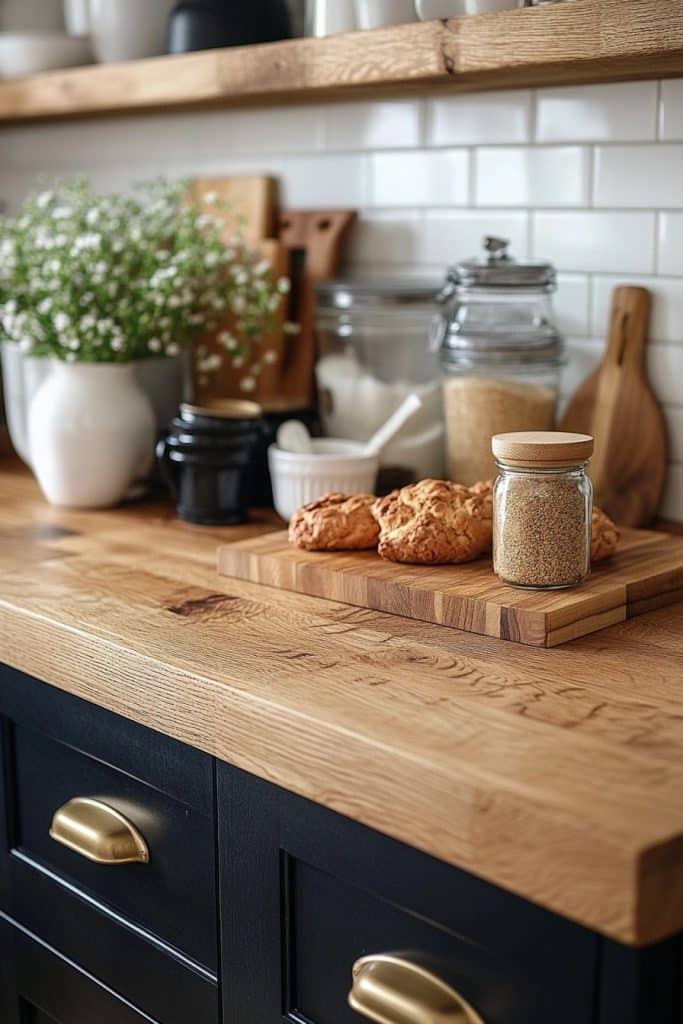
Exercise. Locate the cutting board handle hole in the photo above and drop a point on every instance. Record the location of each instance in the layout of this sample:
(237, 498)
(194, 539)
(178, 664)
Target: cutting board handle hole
(324, 224)
(623, 337)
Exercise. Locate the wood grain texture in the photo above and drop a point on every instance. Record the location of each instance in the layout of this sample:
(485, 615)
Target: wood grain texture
(617, 406)
(648, 567)
(582, 41)
(556, 774)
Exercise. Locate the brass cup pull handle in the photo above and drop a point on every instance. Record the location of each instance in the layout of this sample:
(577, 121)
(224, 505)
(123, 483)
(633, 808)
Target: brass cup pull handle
(98, 832)
(390, 990)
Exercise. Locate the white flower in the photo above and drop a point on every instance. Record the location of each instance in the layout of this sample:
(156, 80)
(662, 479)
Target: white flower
(44, 200)
(74, 344)
(238, 304)
(53, 266)
(61, 321)
(26, 344)
(240, 276)
(211, 259)
(247, 384)
(284, 286)
(154, 345)
(238, 361)
(6, 247)
(62, 212)
(211, 198)
(172, 349)
(228, 341)
(116, 343)
(70, 357)
(87, 322)
(92, 216)
(44, 306)
(261, 268)
(270, 356)
(291, 328)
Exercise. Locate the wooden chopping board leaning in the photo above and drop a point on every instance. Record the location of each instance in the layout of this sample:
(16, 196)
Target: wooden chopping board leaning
(617, 406)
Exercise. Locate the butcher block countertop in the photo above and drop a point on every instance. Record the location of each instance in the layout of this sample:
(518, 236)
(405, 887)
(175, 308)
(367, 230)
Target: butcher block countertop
(557, 774)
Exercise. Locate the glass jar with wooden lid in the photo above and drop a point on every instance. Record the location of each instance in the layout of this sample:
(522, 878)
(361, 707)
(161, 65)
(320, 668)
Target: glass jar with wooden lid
(542, 508)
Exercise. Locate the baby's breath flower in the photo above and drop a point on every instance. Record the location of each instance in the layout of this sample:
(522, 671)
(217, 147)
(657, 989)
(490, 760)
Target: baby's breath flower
(112, 278)
(248, 383)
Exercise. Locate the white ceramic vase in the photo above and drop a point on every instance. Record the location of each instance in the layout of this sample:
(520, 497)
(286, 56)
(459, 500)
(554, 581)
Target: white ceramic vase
(377, 13)
(129, 29)
(91, 433)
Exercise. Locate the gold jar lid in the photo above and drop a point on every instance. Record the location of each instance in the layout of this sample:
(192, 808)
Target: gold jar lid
(542, 449)
(224, 409)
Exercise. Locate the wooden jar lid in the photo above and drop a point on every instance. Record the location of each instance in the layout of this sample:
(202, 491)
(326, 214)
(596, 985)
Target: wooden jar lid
(543, 448)
(224, 409)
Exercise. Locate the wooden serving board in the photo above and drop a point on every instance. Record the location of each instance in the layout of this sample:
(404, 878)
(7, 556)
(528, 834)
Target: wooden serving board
(646, 573)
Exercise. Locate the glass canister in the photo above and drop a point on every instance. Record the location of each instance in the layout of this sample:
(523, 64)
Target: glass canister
(542, 509)
(501, 355)
(374, 349)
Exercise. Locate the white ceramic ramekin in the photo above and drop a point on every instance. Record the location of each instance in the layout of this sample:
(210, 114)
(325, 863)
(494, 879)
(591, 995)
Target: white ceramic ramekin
(334, 465)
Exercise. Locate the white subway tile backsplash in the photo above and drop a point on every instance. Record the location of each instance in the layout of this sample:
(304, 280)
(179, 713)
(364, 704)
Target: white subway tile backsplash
(571, 304)
(588, 241)
(674, 422)
(667, 307)
(672, 505)
(319, 181)
(671, 109)
(670, 252)
(665, 365)
(643, 176)
(538, 176)
(623, 112)
(453, 235)
(386, 125)
(595, 192)
(468, 120)
(389, 236)
(420, 178)
(583, 357)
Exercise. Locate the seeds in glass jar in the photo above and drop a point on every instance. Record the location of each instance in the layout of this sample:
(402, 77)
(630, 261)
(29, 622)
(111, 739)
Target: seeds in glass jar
(540, 531)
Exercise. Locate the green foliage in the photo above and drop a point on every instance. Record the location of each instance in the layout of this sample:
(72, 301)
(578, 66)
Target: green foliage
(112, 278)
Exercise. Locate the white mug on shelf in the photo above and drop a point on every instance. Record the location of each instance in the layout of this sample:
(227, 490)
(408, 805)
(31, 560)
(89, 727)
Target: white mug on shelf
(376, 13)
(428, 9)
(328, 17)
(129, 29)
(77, 17)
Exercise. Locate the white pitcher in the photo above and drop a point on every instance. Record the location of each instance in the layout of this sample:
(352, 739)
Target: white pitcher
(121, 29)
(91, 433)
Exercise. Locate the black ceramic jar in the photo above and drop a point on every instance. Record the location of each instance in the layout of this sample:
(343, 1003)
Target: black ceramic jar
(207, 24)
(206, 459)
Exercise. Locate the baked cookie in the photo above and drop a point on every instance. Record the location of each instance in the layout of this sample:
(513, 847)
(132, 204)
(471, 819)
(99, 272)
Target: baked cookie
(604, 536)
(434, 522)
(335, 522)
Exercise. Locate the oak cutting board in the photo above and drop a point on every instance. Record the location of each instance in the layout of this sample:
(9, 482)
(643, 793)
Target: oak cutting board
(646, 573)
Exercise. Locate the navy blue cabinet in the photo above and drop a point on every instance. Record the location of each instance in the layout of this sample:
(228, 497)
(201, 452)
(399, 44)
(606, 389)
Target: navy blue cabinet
(255, 904)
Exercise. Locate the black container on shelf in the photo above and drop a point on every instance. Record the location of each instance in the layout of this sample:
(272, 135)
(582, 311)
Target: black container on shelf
(208, 24)
(206, 459)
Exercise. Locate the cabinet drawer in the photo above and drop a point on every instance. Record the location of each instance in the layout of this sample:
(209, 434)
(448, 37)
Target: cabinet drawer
(329, 892)
(146, 929)
(41, 987)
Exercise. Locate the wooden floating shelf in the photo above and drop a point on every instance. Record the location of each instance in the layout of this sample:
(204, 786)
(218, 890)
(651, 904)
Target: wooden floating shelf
(580, 41)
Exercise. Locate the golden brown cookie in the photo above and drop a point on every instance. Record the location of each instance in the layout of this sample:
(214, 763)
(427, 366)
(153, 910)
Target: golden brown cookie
(335, 522)
(434, 522)
(604, 536)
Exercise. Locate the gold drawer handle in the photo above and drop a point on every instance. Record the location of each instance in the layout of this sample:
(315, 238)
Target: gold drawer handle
(389, 990)
(98, 832)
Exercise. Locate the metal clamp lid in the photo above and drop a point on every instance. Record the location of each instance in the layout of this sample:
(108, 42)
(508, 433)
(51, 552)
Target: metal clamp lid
(496, 268)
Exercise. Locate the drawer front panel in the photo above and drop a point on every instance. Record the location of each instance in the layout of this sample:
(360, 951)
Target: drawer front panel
(148, 931)
(323, 891)
(171, 896)
(44, 988)
(58, 747)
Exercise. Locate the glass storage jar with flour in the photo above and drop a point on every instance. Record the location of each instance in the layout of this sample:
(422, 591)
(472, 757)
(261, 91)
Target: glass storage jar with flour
(374, 348)
(501, 355)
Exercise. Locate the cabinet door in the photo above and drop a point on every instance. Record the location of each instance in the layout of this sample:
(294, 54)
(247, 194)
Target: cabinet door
(37, 986)
(306, 894)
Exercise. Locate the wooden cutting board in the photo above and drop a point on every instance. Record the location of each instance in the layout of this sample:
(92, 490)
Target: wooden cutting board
(617, 407)
(646, 573)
